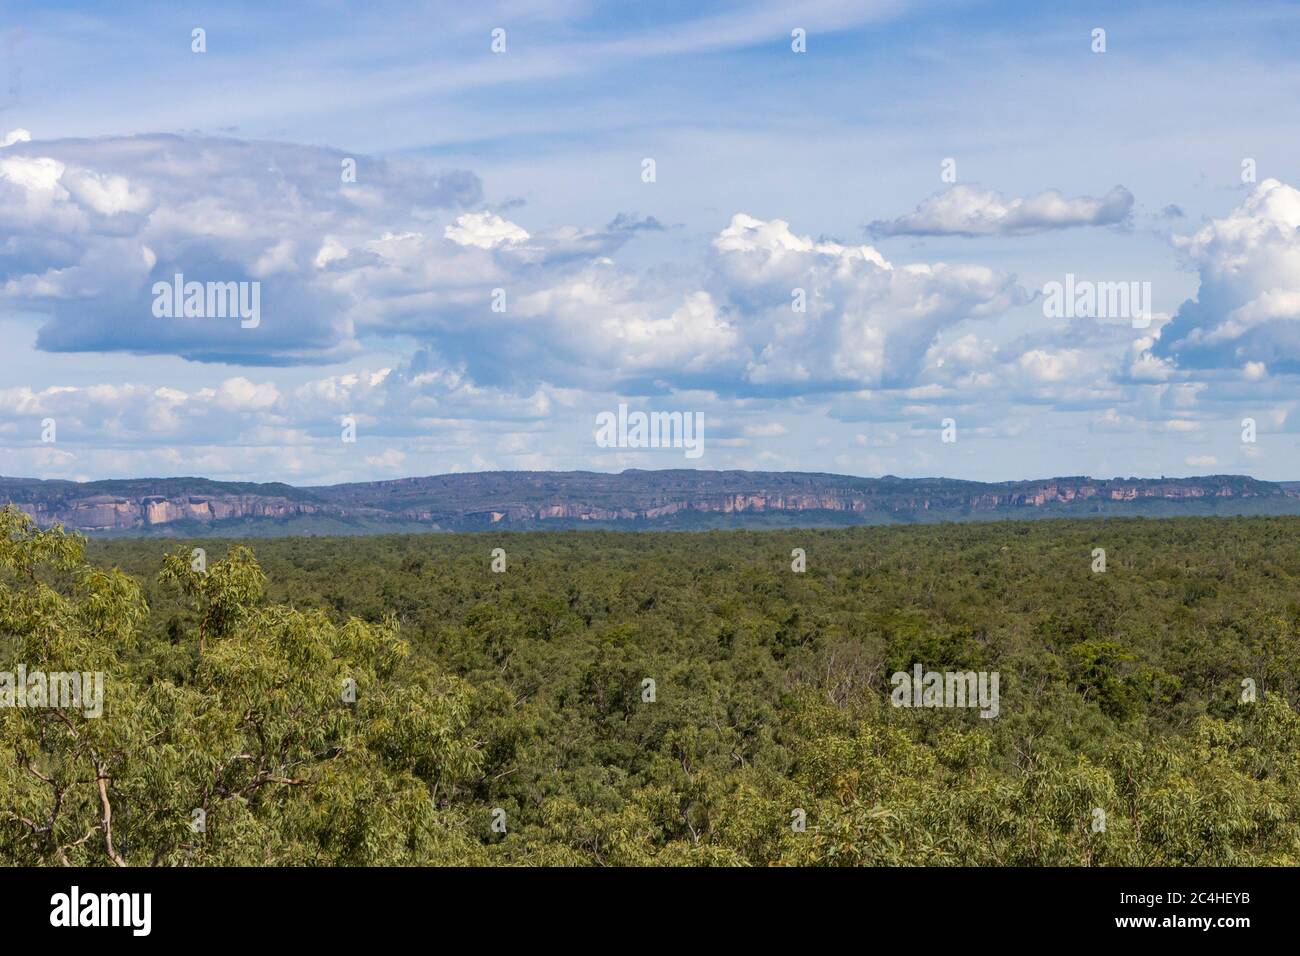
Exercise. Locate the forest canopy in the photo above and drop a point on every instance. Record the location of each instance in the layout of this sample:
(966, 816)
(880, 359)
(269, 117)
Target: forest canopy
(595, 698)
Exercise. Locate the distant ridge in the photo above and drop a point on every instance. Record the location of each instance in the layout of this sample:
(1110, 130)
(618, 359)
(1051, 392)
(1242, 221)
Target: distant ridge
(670, 499)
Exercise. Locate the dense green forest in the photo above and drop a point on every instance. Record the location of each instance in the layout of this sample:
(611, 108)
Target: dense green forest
(396, 700)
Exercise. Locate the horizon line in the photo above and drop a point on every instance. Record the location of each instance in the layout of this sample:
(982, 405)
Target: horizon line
(626, 471)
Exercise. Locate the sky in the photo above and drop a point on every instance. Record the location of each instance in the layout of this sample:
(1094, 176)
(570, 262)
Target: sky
(989, 241)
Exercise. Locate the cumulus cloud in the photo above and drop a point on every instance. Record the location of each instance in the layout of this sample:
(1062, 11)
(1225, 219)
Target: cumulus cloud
(1246, 313)
(93, 224)
(420, 397)
(392, 459)
(972, 211)
(1054, 365)
(484, 230)
(864, 321)
(572, 317)
(768, 314)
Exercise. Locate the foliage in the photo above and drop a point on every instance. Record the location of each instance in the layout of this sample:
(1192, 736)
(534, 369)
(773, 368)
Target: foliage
(523, 692)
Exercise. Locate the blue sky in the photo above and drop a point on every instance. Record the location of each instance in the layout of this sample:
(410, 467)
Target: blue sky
(129, 158)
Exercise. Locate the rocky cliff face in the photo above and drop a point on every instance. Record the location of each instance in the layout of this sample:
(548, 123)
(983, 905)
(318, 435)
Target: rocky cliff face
(113, 513)
(531, 499)
(869, 499)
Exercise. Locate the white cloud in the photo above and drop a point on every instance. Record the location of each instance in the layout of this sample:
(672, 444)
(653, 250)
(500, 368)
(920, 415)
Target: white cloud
(239, 394)
(398, 265)
(1246, 313)
(334, 268)
(485, 230)
(866, 321)
(390, 459)
(94, 223)
(35, 174)
(1042, 365)
(105, 194)
(967, 210)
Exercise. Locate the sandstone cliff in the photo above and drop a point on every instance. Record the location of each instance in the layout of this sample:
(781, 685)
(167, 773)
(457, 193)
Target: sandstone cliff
(641, 498)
